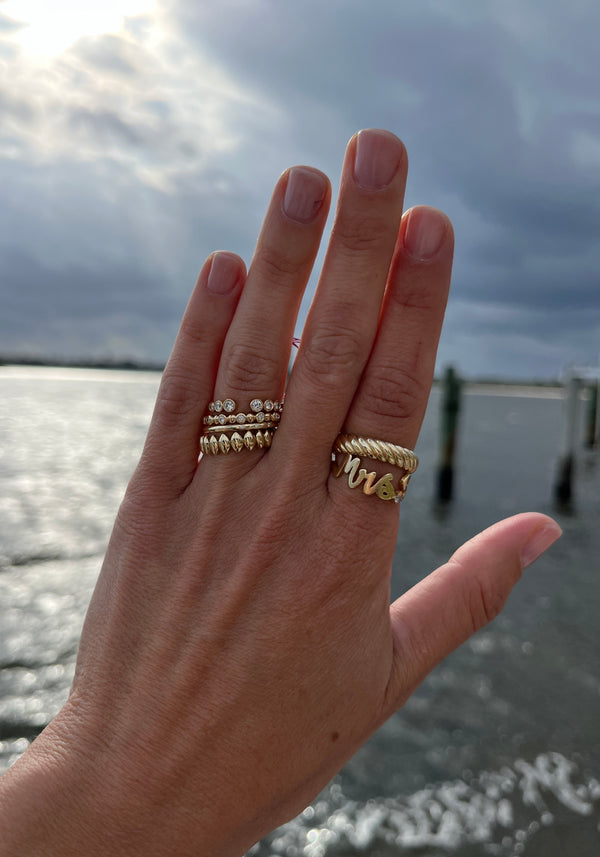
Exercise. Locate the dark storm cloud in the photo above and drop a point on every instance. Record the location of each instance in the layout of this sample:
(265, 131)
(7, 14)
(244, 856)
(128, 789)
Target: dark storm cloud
(118, 301)
(116, 282)
(489, 102)
(133, 158)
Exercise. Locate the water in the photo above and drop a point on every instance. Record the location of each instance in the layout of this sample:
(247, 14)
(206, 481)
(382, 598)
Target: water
(496, 754)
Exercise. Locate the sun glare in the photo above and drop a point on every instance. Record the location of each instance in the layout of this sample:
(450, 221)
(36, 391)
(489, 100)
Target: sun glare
(51, 26)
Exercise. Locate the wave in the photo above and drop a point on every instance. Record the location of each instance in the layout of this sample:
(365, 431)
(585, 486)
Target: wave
(19, 560)
(496, 811)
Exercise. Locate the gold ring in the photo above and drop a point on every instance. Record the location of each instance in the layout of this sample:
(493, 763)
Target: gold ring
(241, 427)
(380, 450)
(224, 444)
(257, 406)
(226, 430)
(382, 486)
(225, 420)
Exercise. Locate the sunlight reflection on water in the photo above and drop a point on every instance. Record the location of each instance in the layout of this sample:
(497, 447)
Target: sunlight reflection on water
(497, 753)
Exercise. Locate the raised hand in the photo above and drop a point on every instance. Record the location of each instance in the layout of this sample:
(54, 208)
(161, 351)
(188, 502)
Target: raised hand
(240, 644)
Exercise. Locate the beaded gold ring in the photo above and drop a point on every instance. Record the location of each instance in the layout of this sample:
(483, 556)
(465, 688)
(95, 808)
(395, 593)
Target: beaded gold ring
(228, 430)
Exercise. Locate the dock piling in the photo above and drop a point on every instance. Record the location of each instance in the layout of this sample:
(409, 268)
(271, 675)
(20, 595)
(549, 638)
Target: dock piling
(450, 409)
(563, 490)
(591, 421)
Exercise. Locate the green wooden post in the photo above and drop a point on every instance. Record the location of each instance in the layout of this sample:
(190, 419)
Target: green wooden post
(450, 409)
(591, 415)
(563, 489)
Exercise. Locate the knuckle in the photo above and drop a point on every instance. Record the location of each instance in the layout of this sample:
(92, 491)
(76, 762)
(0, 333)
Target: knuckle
(250, 367)
(275, 266)
(358, 235)
(393, 393)
(333, 351)
(175, 398)
(193, 330)
(484, 601)
(420, 294)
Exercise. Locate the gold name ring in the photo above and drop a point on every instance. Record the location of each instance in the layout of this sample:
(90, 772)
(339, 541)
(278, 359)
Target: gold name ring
(380, 450)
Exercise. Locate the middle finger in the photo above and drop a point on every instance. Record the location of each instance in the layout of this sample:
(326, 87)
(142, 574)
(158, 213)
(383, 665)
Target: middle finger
(342, 323)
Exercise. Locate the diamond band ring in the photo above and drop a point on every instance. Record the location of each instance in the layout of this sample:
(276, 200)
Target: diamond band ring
(227, 430)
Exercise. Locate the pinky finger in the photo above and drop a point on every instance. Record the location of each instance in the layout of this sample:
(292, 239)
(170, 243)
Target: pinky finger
(171, 451)
(447, 607)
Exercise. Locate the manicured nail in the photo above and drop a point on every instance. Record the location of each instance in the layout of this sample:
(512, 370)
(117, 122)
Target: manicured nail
(306, 189)
(377, 158)
(224, 273)
(424, 232)
(539, 542)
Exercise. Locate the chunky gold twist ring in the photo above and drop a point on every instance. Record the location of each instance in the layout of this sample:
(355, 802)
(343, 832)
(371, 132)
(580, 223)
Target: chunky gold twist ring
(381, 450)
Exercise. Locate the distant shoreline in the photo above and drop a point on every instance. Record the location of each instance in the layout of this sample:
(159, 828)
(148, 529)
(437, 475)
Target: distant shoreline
(127, 365)
(493, 386)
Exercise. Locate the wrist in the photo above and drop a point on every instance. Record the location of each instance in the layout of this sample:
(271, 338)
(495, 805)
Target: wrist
(67, 797)
(42, 804)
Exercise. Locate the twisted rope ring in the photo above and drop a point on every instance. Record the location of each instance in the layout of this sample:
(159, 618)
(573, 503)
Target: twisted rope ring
(380, 450)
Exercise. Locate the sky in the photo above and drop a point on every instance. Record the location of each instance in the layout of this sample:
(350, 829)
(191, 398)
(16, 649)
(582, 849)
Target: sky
(137, 136)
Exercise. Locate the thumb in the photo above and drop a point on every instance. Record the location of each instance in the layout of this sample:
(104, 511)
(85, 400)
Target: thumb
(457, 599)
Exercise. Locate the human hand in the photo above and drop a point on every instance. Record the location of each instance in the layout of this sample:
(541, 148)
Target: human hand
(240, 644)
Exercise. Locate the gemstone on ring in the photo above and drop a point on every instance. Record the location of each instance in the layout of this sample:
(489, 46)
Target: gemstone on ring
(229, 406)
(218, 406)
(256, 405)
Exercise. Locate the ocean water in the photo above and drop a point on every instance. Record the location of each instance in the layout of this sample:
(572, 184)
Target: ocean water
(497, 753)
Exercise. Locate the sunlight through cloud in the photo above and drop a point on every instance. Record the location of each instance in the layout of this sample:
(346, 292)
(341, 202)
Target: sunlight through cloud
(50, 28)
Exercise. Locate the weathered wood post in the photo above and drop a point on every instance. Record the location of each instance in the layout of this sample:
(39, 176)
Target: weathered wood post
(450, 409)
(563, 490)
(591, 415)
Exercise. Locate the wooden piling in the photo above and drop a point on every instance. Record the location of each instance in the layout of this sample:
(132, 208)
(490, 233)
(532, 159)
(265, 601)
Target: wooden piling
(563, 489)
(591, 416)
(449, 410)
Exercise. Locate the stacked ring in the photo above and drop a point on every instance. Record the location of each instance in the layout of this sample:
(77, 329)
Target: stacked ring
(226, 430)
(382, 486)
(380, 450)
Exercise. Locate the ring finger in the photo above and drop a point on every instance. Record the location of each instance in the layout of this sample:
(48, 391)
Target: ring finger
(392, 395)
(256, 351)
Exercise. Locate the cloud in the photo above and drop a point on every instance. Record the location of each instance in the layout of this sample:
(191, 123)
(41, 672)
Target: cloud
(132, 155)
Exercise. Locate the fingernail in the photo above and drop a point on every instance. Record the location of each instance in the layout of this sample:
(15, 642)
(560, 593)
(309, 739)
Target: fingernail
(224, 273)
(424, 232)
(377, 158)
(539, 542)
(306, 189)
